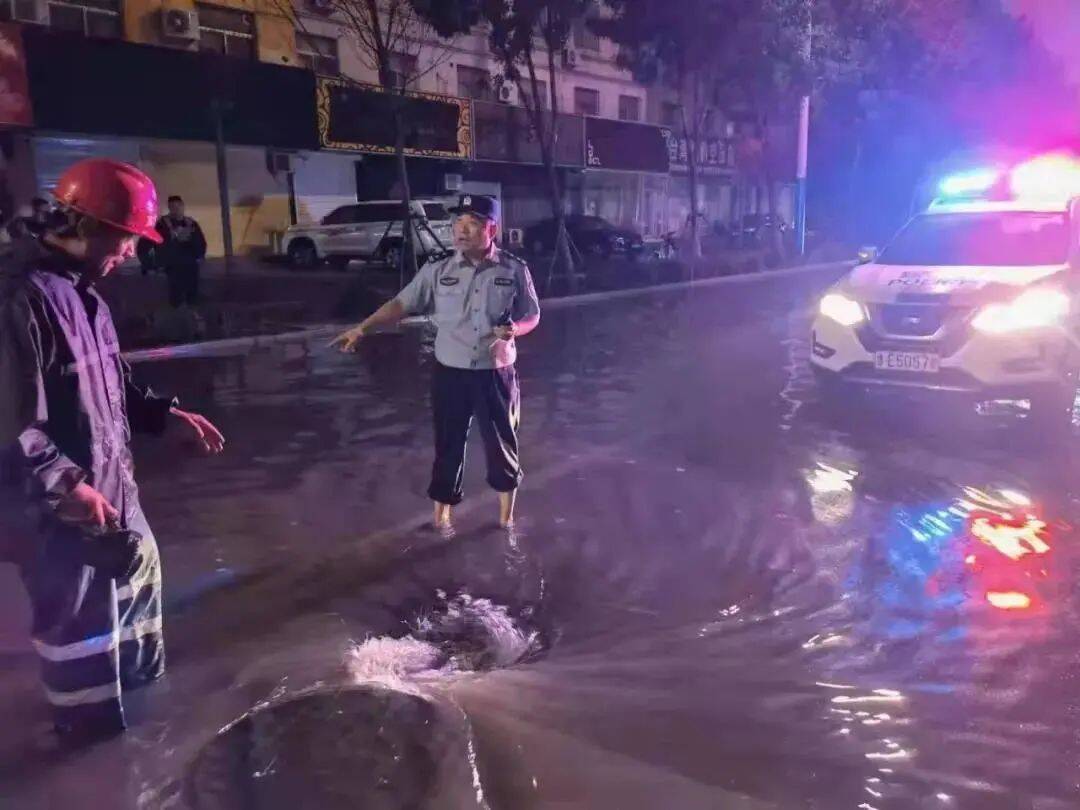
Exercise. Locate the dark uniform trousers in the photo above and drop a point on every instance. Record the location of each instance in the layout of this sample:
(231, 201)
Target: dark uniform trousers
(493, 398)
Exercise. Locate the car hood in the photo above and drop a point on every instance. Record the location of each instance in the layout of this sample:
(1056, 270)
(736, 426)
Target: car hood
(883, 283)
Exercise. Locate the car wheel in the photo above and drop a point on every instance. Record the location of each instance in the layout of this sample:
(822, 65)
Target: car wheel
(302, 255)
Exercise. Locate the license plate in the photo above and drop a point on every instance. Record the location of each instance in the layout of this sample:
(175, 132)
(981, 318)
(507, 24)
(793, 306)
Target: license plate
(907, 361)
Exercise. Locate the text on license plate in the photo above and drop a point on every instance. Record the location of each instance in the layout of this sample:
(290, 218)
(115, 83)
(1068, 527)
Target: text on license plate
(906, 361)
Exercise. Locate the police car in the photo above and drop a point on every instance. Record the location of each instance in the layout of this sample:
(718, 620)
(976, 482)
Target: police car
(978, 295)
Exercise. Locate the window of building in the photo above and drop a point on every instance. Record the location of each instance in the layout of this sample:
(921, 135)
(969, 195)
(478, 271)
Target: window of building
(19, 11)
(402, 69)
(91, 18)
(541, 94)
(475, 83)
(319, 54)
(227, 31)
(584, 38)
(669, 114)
(586, 101)
(629, 108)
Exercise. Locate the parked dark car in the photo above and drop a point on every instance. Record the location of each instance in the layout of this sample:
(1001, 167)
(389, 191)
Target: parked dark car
(591, 235)
(755, 227)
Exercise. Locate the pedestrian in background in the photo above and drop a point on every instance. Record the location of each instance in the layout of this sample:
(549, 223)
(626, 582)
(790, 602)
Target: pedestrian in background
(482, 298)
(181, 252)
(70, 515)
(40, 217)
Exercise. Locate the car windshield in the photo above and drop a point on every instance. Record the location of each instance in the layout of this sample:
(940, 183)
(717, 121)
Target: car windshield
(1000, 238)
(436, 212)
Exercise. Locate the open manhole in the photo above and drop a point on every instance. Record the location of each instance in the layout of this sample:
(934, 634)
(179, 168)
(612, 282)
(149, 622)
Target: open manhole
(362, 747)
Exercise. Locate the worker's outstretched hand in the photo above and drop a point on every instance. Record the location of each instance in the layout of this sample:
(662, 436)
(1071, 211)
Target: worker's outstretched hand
(207, 437)
(348, 340)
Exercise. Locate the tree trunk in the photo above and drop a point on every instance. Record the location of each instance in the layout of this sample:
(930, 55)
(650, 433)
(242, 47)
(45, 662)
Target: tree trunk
(407, 266)
(775, 236)
(693, 144)
(563, 255)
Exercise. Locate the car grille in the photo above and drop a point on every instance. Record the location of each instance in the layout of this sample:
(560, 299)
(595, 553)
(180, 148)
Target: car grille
(911, 320)
(907, 326)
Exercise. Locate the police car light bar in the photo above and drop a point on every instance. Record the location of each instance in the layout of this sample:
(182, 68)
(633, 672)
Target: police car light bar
(1048, 177)
(969, 184)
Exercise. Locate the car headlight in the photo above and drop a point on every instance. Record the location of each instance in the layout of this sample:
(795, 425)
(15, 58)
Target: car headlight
(842, 309)
(1030, 310)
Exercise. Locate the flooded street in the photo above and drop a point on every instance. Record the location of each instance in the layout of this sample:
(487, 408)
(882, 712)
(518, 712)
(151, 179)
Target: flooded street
(719, 594)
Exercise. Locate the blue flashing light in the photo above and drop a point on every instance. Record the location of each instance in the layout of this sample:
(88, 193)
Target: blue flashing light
(971, 183)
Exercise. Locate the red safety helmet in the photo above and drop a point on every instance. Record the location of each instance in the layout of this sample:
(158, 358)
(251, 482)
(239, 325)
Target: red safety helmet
(112, 192)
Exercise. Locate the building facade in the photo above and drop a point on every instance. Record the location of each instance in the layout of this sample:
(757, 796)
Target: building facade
(306, 127)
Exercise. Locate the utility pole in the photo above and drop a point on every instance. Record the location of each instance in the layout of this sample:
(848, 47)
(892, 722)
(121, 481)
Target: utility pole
(804, 140)
(218, 109)
(800, 175)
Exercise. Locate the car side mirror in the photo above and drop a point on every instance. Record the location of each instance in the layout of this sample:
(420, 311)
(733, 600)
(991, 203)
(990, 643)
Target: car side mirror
(866, 255)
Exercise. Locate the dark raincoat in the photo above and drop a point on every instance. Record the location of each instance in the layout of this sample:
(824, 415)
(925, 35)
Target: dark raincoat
(67, 409)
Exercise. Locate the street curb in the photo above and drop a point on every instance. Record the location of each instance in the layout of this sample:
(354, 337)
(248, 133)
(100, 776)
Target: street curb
(609, 295)
(253, 341)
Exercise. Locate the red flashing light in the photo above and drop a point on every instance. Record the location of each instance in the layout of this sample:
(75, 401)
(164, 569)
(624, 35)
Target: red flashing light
(1008, 600)
(1051, 177)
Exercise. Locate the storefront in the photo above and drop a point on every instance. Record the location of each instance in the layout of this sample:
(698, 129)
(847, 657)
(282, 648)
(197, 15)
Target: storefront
(626, 174)
(160, 109)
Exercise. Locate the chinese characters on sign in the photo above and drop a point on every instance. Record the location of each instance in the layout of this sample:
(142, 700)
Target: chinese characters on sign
(713, 153)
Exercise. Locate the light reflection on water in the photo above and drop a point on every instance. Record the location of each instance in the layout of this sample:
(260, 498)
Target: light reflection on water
(743, 601)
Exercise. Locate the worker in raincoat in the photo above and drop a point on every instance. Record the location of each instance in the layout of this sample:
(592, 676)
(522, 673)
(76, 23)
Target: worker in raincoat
(69, 508)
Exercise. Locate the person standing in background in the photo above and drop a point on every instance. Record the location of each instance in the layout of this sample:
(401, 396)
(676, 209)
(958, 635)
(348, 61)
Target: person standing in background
(181, 252)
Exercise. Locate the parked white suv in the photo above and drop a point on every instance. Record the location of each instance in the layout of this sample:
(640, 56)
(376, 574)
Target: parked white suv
(369, 230)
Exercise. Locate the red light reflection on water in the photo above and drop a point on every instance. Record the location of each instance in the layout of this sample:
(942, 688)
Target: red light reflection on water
(1009, 555)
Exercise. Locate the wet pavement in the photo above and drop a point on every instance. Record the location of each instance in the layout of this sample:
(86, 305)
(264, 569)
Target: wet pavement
(719, 594)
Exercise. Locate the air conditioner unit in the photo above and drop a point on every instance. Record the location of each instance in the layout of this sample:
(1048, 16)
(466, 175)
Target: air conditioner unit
(516, 237)
(452, 182)
(569, 58)
(180, 24)
(279, 162)
(508, 93)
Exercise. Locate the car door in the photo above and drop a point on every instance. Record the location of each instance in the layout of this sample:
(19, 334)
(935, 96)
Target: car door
(335, 230)
(376, 217)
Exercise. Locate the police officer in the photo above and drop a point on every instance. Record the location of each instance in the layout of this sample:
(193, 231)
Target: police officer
(69, 507)
(482, 299)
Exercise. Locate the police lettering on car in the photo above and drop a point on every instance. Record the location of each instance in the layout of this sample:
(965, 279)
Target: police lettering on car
(481, 299)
